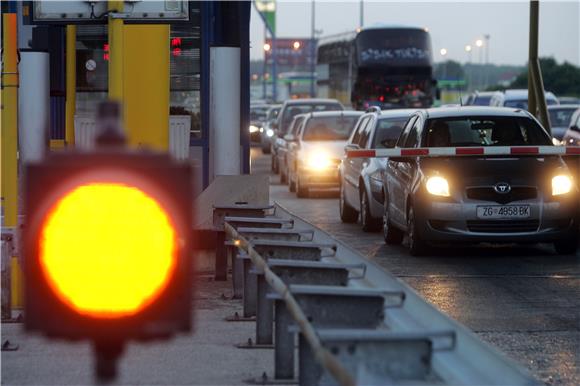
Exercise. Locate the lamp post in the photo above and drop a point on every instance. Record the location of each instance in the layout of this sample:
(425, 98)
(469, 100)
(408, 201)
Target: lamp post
(443, 53)
(265, 67)
(479, 44)
(312, 48)
(469, 50)
(486, 37)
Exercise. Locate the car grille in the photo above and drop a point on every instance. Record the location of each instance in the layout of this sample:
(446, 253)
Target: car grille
(517, 193)
(507, 226)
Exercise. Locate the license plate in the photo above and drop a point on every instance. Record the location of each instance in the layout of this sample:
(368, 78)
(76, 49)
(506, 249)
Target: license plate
(503, 211)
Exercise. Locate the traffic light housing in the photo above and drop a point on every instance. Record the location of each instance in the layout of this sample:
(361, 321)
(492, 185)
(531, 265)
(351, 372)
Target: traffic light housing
(107, 246)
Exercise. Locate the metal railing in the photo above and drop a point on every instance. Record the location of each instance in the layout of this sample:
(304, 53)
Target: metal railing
(357, 323)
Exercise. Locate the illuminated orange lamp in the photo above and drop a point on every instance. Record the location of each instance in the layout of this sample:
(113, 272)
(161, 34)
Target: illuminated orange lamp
(107, 250)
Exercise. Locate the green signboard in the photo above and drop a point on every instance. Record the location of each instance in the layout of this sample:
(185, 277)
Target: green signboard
(267, 8)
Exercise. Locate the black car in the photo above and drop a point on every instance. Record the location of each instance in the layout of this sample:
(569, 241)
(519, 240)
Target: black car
(471, 199)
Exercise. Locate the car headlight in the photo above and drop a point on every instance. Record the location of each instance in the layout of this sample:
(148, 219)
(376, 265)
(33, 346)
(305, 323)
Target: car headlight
(253, 129)
(557, 142)
(269, 132)
(318, 161)
(261, 129)
(561, 185)
(438, 186)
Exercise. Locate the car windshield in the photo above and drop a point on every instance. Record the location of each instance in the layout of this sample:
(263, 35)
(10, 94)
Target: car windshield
(329, 128)
(294, 110)
(258, 113)
(484, 131)
(560, 117)
(523, 103)
(388, 131)
(481, 100)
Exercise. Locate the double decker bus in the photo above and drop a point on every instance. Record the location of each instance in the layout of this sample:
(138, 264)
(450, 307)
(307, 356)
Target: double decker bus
(385, 66)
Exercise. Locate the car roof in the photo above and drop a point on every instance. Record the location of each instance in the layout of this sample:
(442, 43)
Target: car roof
(522, 93)
(345, 113)
(563, 107)
(395, 113)
(470, 111)
(306, 101)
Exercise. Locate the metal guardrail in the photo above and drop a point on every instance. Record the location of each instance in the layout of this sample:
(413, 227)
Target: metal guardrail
(357, 323)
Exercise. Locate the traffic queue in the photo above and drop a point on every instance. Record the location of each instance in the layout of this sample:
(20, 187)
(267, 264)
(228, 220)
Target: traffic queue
(458, 174)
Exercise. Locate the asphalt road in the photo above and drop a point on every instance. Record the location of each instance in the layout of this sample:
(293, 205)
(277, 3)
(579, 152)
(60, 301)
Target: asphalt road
(524, 300)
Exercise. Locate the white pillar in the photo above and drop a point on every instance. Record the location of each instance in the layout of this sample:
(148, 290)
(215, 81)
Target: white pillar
(224, 110)
(33, 105)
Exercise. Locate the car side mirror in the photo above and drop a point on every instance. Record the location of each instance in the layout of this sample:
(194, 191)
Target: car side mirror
(574, 128)
(352, 146)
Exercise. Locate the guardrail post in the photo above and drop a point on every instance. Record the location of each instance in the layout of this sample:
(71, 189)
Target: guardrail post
(264, 313)
(221, 262)
(250, 289)
(285, 343)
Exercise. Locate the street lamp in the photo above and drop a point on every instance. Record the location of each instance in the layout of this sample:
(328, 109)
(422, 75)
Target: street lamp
(479, 44)
(443, 53)
(468, 68)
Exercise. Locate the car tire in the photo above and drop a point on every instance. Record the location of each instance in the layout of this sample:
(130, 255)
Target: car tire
(566, 247)
(301, 191)
(283, 176)
(417, 246)
(391, 234)
(274, 163)
(347, 213)
(369, 224)
(291, 183)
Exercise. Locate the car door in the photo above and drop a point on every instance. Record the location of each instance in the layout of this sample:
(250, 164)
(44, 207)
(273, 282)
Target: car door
(349, 164)
(395, 177)
(294, 146)
(361, 163)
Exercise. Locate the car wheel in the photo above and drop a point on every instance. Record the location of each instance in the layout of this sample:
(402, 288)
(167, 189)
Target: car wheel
(417, 246)
(369, 224)
(274, 163)
(566, 246)
(301, 190)
(283, 175)
(391, 234)
(347, 213)
(291, 183)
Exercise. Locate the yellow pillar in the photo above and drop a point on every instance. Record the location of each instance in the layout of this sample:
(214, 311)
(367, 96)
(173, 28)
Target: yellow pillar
(71, 91)
(10, 144)
(146, 86)
(116, 52)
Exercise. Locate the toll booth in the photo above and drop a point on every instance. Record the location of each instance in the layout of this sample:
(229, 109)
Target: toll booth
(192, 103)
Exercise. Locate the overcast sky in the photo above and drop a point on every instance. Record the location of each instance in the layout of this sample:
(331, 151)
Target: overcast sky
(452, 24)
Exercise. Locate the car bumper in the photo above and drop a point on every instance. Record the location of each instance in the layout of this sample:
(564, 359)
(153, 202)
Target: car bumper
(319, 179)
(440, 221)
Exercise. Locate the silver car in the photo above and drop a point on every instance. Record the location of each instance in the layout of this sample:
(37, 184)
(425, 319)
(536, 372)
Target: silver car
(361, 179)
(471, 199)
(314, 150)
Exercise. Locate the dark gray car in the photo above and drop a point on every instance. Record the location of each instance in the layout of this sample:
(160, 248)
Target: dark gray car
(361, 179)
(475, 199)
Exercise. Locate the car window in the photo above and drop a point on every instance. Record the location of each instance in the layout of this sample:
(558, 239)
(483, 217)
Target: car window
(359, 130)
(413, 137)
(297, 123)
(387, 132)
(333, 128)
(481, 100)
(484, 131)
(403, 137)
(560, 117)
(365, 134)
